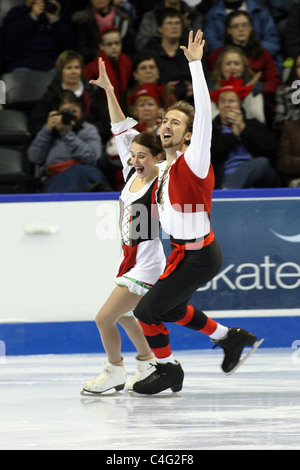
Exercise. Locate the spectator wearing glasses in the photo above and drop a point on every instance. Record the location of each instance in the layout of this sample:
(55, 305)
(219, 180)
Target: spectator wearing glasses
(118, 65)
(174, 72)
(262, 22)
(148, 26)
(145, 71)
(239, 32)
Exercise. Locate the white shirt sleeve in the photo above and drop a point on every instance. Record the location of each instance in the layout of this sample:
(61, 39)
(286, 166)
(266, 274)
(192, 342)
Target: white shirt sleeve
(124, 134)
(197, 154)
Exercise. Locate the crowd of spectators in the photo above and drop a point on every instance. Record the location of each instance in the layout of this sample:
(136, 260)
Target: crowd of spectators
(251, 45)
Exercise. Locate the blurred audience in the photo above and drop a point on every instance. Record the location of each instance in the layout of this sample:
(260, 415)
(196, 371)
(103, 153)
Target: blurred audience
(69, 66)
(243, 151)
(239, 31)
(246, 44)
(98, 15)
(145, 70)
(173, 71)
(118, 65)
(147, 110)
(34, 35)
(128, 6)
(142, 7)
(280, 10)
(291, 32)
(233, 62)
(148, 28)
(262, 21)
(67, 148)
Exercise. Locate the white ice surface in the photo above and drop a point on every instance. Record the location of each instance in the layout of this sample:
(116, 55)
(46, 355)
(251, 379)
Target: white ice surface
(258, 407)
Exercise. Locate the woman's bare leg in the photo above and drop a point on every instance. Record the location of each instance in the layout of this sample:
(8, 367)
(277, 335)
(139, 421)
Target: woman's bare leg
(119, 302)
(136, 335)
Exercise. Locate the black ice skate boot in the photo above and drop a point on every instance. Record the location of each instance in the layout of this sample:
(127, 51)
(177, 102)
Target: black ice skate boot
(233, 344)
(165, 376)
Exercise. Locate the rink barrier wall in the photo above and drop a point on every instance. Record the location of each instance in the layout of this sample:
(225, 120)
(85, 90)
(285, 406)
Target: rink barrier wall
(56, 271)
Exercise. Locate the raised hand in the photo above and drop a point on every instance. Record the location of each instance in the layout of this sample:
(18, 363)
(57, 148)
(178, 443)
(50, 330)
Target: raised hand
(103, 80)
(194, 51)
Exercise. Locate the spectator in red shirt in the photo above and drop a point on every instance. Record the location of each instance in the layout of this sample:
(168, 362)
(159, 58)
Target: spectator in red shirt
(118, 65)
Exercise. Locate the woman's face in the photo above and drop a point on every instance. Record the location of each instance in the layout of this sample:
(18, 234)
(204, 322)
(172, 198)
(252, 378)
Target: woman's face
(146, 108)
(142, 160)
(232, 64)
(71, 73)
(146, 72)
(240, 29)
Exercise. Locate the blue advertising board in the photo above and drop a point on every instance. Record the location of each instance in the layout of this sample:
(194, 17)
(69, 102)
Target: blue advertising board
(257, 288)
(260, 242)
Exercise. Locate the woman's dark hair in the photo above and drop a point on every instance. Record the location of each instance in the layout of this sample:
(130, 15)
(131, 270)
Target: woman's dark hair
(141, 57)
(253, 48)
(151, 141)
(67, 96)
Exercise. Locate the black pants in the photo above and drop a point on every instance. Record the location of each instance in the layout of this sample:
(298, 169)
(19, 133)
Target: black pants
(167, 300)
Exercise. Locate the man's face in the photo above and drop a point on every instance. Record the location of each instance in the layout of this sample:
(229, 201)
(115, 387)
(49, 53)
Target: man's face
(173, 129)
(240, 29)
(171, 28)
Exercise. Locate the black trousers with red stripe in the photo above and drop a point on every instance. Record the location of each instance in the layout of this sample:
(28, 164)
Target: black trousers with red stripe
(167, 300)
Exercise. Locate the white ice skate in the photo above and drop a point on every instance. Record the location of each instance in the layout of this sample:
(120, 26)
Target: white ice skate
(110, 377)
(144, 369)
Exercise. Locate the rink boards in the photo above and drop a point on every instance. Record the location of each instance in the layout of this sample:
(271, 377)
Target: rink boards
(59, 253)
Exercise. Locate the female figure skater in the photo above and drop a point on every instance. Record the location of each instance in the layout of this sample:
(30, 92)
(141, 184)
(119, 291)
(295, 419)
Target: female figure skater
(184, 198)
(142, 260)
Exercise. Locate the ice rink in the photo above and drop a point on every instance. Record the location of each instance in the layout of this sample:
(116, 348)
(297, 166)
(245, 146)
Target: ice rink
(258, 407)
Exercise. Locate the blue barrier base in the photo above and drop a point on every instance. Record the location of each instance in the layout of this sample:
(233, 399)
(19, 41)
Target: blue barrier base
(83, 337)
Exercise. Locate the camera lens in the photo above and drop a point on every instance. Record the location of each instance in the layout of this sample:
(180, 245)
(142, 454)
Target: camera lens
(67, 116)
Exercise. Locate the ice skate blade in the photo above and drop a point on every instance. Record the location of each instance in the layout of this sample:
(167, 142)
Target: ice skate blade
(241, 361)
(112, 390)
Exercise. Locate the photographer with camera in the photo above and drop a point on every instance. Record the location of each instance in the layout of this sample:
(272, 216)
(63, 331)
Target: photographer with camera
(69, 76)
(67, 149)
(34, 34)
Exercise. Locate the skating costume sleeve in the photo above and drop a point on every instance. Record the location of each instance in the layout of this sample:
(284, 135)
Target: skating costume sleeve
(124, 134)
(197, 155)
